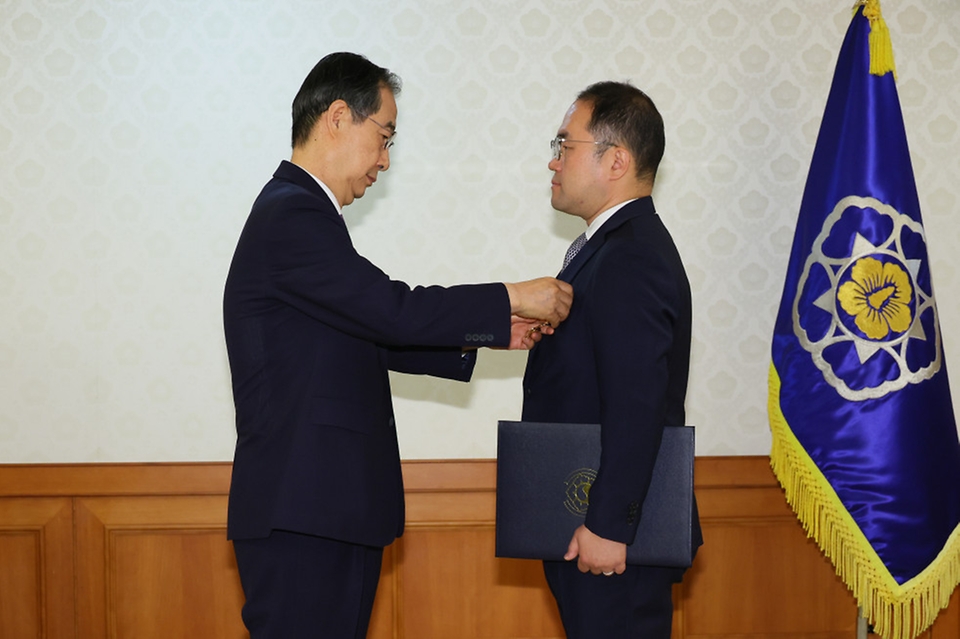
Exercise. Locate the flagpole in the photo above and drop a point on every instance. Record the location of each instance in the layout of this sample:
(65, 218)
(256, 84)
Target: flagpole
(861, 624)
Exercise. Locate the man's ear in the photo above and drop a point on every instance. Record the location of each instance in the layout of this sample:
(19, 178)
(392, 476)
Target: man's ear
(337, 115)
(621, 163)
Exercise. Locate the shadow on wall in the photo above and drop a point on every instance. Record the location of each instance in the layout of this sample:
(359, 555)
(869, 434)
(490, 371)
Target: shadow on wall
(497, 365)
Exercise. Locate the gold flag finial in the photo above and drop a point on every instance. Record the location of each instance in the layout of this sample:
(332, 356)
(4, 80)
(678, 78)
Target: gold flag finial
(881, 49)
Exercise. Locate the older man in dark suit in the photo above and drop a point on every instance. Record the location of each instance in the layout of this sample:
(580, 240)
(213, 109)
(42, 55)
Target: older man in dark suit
(620, 359)
(312, 329)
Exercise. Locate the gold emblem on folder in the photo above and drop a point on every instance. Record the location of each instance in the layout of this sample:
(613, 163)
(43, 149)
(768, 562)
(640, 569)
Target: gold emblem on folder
(578, 485)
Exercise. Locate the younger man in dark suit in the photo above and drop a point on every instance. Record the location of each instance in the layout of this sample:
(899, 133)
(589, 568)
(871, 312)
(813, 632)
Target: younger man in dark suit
(620, 359)
(312, 329)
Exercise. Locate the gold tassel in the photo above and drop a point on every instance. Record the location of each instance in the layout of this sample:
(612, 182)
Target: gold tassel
(881, 48)
(897, 611)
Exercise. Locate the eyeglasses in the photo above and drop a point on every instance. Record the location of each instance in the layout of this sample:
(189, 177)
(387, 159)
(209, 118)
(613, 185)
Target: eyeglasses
(556, 145)
(388, 141)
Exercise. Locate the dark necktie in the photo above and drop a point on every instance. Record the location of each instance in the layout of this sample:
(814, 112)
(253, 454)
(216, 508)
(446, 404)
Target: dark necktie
(574, 249)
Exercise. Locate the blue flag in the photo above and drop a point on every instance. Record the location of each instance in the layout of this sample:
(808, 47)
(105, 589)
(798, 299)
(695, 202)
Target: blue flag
(864, 438)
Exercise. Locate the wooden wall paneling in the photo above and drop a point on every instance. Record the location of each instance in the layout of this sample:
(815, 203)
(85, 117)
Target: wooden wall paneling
(139, 550)
(947, 625)
(758, 575)
(155, 568)
(88, 480)
(452, 585)
(36, 568)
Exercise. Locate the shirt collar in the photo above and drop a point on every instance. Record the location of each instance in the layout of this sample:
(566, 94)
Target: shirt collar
(603, 217)
(326, 189)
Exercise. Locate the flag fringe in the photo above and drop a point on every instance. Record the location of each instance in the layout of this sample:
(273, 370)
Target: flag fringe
(881, 47)
(897, 611)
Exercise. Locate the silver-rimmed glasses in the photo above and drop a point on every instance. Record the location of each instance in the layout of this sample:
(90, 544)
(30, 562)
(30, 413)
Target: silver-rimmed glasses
(388, 142)
(556, 145)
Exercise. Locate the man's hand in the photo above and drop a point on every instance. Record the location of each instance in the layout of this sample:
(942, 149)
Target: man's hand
(596, 554)
(545, 298)
(525, 333)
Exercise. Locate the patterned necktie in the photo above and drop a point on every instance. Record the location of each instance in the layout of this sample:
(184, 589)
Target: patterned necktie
(574, 249)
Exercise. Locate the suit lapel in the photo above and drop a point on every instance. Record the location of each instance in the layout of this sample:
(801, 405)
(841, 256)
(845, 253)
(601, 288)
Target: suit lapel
(628, 212)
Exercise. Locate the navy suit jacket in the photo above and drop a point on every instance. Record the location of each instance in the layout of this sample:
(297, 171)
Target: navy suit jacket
(312, 329)
(620, 359)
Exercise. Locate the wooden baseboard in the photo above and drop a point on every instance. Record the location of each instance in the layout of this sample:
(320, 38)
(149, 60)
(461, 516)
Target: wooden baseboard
(139, 550)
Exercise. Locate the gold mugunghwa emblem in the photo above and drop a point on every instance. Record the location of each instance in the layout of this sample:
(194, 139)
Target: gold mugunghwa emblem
(578, 485)
(872, 295)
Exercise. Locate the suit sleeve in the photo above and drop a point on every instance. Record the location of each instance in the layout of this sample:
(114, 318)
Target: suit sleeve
(315, 268)
(632, 314)
(447, 363)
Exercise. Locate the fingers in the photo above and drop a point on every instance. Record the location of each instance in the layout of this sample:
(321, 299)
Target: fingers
(602, 571)
(525, 333)
(562, 298)
(597, 555)
(536, 332)
(529, 340)
(545, 298)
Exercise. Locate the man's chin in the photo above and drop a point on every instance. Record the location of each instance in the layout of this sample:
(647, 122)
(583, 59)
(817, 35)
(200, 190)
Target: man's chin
(353, 197)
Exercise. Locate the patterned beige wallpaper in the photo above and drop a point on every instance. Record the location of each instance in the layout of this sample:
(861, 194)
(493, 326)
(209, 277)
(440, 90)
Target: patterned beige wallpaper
(134, 136)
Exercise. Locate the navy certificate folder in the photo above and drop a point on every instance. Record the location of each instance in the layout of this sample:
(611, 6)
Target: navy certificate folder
(544, 473)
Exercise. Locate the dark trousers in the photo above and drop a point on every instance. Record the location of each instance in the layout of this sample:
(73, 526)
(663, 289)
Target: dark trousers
(300, 586)
(635, 605)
